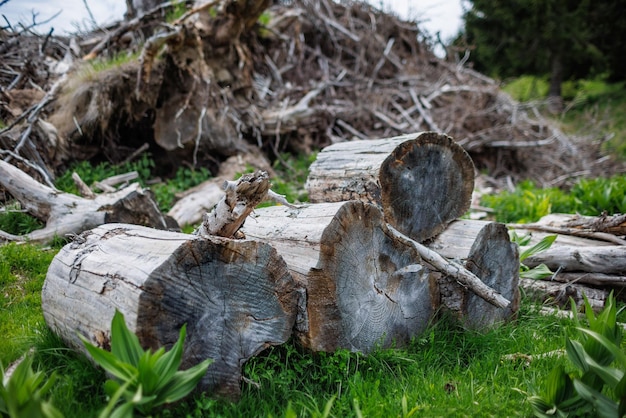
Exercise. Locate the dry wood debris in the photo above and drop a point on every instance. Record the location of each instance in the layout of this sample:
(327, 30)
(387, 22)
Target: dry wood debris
(305, 75)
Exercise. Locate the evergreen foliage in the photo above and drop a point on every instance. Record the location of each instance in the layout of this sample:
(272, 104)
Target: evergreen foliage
(567, 39)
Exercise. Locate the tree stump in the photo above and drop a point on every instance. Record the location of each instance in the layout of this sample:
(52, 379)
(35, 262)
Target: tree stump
(365, 289)
(422, 181)
(236, 297)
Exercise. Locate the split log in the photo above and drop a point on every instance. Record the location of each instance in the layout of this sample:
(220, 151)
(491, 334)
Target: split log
(496, 261)
(240, 199)
(236, 297)
(67, 214)
(602, 228)
(365, 288)
(422, 181)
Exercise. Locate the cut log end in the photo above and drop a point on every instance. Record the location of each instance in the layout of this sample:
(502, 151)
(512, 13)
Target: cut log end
(426, 183)
(368, 289)
(236, 297)
(495, 260)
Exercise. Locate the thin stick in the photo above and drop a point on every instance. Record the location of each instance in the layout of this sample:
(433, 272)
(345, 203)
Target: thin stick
(455, 270)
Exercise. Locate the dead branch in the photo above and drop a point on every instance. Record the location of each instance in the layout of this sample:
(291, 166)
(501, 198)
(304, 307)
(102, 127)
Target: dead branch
(455, 270)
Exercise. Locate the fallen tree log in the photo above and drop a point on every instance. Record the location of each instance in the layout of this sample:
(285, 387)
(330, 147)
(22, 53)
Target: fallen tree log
(422, 181)
(490, 255)
(67, 214)
(560, 294)
(365, 289)
(592, 259)
(236, 297)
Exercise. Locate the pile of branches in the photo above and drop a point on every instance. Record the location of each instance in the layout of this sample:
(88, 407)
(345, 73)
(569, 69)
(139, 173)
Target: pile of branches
(307, 74)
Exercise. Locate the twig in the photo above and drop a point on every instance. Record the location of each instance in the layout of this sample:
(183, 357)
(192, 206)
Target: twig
(455, 270)
(83, 189)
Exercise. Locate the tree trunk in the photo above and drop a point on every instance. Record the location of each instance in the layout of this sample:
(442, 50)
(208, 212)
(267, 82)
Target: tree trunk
(67, 214)
(422, 181)
(365, 289)
(236, 297)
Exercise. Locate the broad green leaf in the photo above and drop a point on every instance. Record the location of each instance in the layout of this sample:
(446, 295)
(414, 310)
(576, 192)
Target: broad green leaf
(109, 362)
(576, 354)
(115, 392)
(605, 407)
(124, 344)
(184, 381)
(147, 373)
(521, 240)
(49, 411)
(559, 386)
(125, 410)
(542, 245)
(540, 272)
(608, 344)
(620, 388)
(169, 364)
(621, 408)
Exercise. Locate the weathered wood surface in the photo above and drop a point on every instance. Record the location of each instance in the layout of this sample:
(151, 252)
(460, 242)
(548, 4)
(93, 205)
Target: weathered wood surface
(239, 200)
(576, 260)
(422, 181)
(460, 235)
(485, 249)
(236, 296)
(67, 214)
(365, 289)
(194, 203)
(592, 259)
(495, 260)
(560, 294)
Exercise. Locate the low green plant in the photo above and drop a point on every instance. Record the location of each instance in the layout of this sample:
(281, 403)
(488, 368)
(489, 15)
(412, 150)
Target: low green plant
(142, 379)
(184, 179)
(15, 221)
(164, 192)
(596, 388)
(291, 174)
(528, 203)
(526, 88)
(541, 271)
(24, 393)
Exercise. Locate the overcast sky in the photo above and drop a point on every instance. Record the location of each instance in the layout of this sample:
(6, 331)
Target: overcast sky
(442, 16)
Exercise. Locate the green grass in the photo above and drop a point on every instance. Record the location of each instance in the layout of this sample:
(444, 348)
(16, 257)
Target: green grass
(165, 191)
(528, 203)
(448, 371)
(22, 272)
